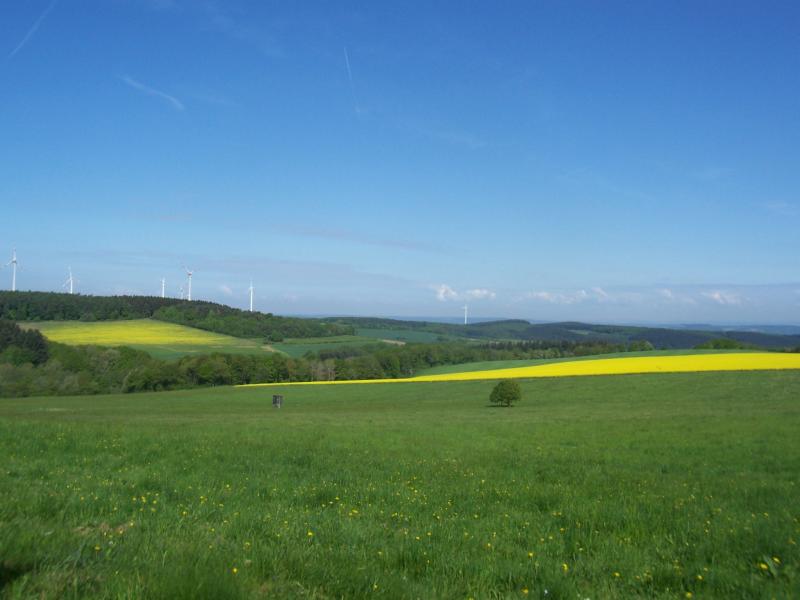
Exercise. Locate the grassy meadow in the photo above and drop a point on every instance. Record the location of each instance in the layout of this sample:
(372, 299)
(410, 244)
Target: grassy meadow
(297, 347)
(659, 486)
(157, 338)
(402, 335)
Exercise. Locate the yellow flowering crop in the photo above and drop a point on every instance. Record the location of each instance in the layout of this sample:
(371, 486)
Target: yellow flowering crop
(686, 363)
(119, 333)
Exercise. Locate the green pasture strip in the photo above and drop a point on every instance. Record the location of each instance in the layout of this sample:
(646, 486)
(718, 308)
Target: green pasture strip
(403, 335)
(176, 351)
(653, 486)
(300, 346)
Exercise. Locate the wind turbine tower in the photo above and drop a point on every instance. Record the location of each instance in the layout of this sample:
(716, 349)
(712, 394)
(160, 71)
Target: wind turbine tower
(163, 284)
(250, 289)
(189, 286)
(70, 281)
(13, 264)
(465, 314)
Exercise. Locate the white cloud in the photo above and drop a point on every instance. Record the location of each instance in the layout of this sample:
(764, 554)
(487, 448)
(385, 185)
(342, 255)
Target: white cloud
(225, 289)
(669, 296)
(480, 294)
(444, 293)
(146, 89)
(34, 28)
(724, 298)
(575, 297)
(543, 296)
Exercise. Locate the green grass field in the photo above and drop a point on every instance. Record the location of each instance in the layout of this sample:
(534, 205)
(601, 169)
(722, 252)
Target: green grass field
(297, 347)
(658, 486)
(157, 338)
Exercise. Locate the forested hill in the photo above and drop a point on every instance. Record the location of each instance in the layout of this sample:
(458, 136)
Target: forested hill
(47, 306)
(521, 330)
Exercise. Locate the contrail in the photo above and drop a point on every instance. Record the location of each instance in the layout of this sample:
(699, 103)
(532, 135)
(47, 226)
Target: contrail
(176, 104)
(33, 29)
(352, 85)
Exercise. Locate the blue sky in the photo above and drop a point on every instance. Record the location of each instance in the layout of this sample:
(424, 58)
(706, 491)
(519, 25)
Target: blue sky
(611, 162)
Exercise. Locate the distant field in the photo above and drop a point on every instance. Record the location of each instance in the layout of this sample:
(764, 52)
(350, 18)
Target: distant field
(509, 364)
(300, 346)
(160, 339)
(402, 335)
(634, 486)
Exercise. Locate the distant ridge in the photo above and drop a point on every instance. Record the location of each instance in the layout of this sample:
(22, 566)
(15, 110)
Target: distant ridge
(43, 306)
(574, 331)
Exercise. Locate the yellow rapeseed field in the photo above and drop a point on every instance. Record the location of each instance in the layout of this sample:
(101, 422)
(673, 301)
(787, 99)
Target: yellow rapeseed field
(142, 332)
(751, 361)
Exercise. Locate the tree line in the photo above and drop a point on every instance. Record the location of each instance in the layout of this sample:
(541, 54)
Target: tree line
(18, 346)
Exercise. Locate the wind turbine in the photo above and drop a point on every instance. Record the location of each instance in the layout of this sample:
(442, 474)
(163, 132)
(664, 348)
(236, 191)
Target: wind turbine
(182, 293)
(250, 289)
(13, 264)
(189, 288)
(163, 284)
(465, 314)
(70, 281)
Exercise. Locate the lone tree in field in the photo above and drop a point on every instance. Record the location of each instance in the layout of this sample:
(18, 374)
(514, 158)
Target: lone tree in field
(506, 393)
